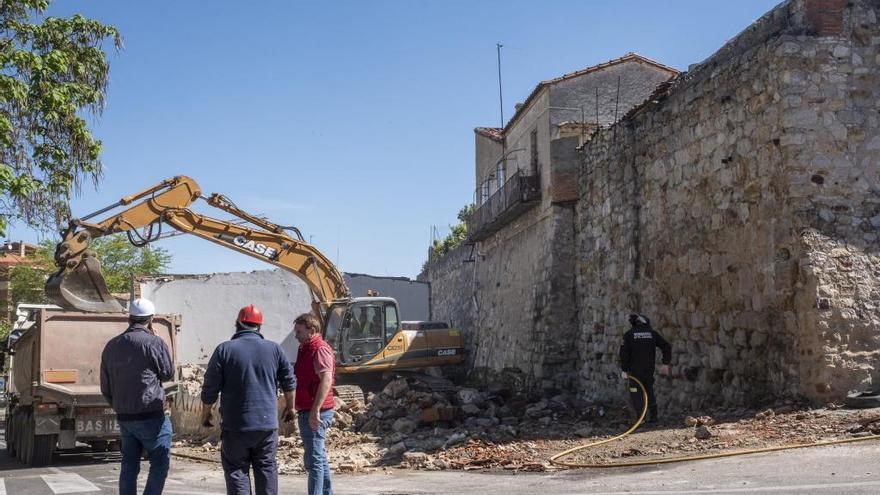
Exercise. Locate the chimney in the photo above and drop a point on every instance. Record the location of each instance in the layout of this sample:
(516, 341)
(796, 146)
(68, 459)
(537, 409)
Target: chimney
(517, 107)
(21, 248)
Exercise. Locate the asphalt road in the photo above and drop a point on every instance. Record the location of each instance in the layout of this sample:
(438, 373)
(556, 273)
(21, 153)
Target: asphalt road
(841, 470)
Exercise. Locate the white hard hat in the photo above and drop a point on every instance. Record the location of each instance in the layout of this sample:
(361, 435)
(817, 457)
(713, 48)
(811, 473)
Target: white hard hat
(141, 307)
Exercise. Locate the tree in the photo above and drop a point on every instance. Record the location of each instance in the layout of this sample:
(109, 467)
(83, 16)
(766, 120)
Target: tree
(457, 235)
(52, 71)
(120, 260)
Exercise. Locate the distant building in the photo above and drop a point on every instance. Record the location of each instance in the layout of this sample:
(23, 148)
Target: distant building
(11, 254)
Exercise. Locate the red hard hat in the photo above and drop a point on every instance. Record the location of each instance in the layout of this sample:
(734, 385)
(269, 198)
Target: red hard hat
(250, 315)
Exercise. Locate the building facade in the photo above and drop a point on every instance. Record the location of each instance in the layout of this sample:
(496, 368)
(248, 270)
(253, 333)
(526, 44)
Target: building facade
(738, 205)
(517, 292)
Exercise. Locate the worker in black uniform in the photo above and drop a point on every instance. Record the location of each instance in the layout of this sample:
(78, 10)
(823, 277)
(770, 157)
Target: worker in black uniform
(637, 356)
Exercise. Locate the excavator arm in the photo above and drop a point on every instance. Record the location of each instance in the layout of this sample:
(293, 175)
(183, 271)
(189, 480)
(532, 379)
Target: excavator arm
(79, 284)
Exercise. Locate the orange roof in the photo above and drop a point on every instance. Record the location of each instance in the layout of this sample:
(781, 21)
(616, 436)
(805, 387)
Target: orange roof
(493, 133)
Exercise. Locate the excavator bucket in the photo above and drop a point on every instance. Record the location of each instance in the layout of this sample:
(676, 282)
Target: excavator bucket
(82, 288)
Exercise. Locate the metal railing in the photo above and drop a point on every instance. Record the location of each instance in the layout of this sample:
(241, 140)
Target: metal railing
(519, 193)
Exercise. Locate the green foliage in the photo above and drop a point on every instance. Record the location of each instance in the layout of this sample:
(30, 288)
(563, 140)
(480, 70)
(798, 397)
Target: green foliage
(52, 70)
(457, 235)
(120, 260)
(5, 328)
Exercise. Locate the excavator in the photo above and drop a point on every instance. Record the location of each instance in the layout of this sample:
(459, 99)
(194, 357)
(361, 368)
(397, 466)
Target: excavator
(365, 332)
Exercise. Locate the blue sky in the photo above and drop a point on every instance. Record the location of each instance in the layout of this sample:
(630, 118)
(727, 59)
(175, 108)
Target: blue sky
(352, 120)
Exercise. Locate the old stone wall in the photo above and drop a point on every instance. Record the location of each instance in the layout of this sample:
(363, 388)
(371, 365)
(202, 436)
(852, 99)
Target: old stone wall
(831, 118)
(452, 292)
(506, 299)
(725, 208)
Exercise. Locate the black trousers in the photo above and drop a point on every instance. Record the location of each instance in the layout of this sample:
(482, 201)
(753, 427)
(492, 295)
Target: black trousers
(636, 397)
(239, 450)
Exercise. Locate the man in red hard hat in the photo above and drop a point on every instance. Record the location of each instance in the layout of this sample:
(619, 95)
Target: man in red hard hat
(246, 372)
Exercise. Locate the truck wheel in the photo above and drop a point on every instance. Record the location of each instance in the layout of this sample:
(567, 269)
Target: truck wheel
(43, 446)
(99, 445)
(9, 435)
(20, 434)
(27, 440)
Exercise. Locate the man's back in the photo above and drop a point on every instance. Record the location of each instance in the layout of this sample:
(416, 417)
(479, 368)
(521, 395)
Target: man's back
(248, 371)
(133, 367)
(638, 352)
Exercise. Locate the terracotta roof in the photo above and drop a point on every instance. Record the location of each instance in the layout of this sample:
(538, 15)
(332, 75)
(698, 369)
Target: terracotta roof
(629, 57)
(14, 259)
(494, 133)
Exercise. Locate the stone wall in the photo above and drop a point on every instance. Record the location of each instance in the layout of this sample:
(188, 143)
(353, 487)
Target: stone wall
(738, 207)
(739, 210)
(453, 292)
(505, 300)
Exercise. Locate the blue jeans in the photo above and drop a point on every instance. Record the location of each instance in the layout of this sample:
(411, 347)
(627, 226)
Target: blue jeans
(154, 437)
(315, 455)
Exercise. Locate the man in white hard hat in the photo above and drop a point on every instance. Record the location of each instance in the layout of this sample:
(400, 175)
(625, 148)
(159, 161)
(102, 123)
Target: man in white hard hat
(133, 366)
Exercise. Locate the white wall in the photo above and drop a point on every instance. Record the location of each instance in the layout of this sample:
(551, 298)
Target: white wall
(209, 304)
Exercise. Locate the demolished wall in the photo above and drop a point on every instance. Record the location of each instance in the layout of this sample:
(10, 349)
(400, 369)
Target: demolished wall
(739, 209)
(209, 304)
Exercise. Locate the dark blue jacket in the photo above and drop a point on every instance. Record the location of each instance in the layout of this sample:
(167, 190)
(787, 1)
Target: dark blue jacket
(133, 367)
(247, 371)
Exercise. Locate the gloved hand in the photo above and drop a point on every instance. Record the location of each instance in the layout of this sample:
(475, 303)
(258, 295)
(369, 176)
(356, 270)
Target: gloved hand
(665, 369)
(624, 375)
(207, 416)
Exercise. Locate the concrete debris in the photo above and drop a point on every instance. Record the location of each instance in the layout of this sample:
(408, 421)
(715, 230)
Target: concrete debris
(700, 421)
(702, 433)
(415, 424)
(191, 378)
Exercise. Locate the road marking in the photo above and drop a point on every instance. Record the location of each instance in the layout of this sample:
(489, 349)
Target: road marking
(824, 487)
(187, 492)
(69, 483)
(2, 486)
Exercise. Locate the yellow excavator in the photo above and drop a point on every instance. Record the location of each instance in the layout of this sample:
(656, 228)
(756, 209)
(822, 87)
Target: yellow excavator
(365, 332)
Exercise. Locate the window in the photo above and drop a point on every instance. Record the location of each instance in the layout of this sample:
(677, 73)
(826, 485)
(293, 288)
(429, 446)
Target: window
(391, 323)
(484, 192)
(500, 174)
(533, 144)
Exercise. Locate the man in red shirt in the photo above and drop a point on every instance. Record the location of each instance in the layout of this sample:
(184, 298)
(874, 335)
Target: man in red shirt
(314, 369)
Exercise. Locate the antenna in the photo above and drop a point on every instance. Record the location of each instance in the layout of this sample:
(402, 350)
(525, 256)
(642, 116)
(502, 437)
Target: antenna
(500, 95)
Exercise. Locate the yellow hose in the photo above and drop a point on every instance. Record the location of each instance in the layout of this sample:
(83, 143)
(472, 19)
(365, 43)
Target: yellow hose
(669, 460)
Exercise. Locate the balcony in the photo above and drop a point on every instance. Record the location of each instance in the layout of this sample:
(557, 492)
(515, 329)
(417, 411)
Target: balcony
(519, 194)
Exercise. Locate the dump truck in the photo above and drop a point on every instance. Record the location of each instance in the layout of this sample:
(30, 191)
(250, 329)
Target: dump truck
(54, 389)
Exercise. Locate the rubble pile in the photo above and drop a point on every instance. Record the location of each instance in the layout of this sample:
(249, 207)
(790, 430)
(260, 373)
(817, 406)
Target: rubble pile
(428, 423)
(190, 379)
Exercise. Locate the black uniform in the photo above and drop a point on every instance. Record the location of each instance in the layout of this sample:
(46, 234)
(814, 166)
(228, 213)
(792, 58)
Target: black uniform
(637, 356)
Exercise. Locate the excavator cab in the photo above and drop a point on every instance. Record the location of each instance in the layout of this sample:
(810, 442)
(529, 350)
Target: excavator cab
(360, 328)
